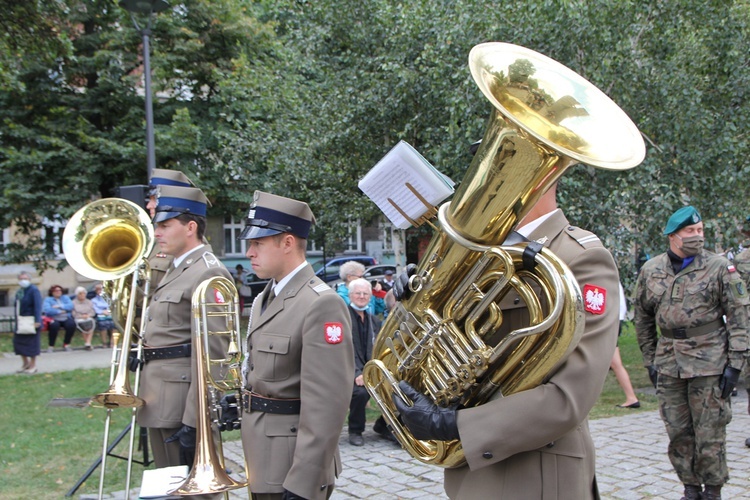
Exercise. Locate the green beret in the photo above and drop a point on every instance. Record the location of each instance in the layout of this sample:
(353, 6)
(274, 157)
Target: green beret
(686, 216)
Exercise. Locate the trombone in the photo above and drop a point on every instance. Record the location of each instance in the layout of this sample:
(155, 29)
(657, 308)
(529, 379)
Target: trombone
(215, 376)
(109, 240)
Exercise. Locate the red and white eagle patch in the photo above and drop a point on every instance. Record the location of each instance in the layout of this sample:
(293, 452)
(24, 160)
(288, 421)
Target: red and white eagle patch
(218, 297)
(731, 268)
(334, 333)
(594, 299)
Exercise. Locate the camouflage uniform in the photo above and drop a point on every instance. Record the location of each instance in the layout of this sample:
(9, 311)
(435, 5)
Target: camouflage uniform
(742, 263)
(690, 355)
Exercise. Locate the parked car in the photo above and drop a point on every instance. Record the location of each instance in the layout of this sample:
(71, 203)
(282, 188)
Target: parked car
(372, 274)
(330, 271)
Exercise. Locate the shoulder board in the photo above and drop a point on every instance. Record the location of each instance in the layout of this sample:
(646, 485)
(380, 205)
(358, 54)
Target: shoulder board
(586, 239)
(210, 259)
(320, 287)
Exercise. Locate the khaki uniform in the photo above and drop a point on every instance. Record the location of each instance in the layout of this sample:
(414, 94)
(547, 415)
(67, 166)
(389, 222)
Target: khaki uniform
(536, 444)
(291, 355)
(708, 299)
(159, 263)
(166, 384)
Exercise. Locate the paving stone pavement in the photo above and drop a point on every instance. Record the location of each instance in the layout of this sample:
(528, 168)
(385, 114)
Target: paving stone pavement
(631, 453)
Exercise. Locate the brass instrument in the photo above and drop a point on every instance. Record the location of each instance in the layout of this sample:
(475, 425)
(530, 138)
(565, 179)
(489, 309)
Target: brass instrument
(215, 376)
(447, 339)
(109, 239)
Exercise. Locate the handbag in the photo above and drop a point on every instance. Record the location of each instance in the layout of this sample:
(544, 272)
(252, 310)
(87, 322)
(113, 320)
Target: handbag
(24, 324)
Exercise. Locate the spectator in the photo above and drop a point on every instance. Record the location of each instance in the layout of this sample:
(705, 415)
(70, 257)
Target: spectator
(387, 282)
(28, 303)
(621, 374)
(699, 303)
(84, 316)
(104, 322)
(352, 270)
(57, 307)
(240, 275)
(364, 329)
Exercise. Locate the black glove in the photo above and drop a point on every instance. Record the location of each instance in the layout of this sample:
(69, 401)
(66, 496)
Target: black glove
(652, 374)
(425, 419)
(134, 364)
(230, 416)
(288, 495)
(401, 284)
(186, 437)
(728, 380)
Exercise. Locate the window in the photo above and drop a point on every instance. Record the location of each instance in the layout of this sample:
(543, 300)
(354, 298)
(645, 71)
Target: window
(354, 241)
(387, 235)
(233, 245)
(4, 238)
(52, 236)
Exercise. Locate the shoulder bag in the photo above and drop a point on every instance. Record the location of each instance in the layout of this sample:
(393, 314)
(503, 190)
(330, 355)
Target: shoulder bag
(24, 324)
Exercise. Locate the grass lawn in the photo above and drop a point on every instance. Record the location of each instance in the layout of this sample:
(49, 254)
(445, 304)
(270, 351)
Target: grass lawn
(44, 451)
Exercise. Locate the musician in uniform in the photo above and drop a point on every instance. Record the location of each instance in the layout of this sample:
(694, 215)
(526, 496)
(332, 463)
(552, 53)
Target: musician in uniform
(699, 302)
(536, 443)
(299, 362)
(158, 260)
(170, 366)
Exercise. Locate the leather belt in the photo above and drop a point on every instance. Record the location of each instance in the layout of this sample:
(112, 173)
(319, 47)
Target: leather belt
(256, 402)
(686, 333)
(169, 352)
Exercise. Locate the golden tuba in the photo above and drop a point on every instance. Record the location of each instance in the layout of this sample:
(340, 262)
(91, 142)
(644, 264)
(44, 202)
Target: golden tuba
(446, 339)
(214, 376)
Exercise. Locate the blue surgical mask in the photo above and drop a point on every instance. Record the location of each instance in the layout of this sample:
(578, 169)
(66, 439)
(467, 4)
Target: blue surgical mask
(24, 283)
(357, 308)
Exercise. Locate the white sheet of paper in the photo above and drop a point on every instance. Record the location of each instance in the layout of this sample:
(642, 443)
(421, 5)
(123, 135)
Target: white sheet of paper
(388, 178)
(157, 483)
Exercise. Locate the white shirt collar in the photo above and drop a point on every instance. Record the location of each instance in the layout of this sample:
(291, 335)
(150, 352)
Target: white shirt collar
(281, 284)
(529, 228)
(178, 260)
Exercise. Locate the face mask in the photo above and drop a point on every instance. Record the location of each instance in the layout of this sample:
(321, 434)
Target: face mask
(357, 308)
(24, 283)
(692, 245)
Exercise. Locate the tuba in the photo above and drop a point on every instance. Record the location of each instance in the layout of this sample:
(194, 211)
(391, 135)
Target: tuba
(446, 339)
(109, 240)
(214, 376)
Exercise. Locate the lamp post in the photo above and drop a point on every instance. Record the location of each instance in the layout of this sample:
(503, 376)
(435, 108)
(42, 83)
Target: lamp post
(147, 7)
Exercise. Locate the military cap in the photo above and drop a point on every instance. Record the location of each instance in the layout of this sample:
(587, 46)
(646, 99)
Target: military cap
(173, 201)
(270, 214)
(166, 177)
(686, 216)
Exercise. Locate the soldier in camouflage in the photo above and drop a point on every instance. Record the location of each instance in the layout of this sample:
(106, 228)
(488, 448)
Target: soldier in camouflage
(742, 263)
(698, 301)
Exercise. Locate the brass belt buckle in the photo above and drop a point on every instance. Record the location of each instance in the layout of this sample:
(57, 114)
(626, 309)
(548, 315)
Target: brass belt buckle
(246, 401)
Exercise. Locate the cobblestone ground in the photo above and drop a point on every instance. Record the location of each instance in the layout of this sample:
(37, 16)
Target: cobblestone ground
(631, 463)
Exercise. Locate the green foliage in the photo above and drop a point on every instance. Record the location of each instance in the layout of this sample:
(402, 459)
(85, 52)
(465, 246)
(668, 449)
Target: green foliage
(302, 98)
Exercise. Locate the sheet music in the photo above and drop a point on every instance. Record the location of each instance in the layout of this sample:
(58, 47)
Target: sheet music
(157, 483)
(388, 178)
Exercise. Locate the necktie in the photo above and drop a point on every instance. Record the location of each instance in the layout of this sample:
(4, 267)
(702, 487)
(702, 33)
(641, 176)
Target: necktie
(269, 298)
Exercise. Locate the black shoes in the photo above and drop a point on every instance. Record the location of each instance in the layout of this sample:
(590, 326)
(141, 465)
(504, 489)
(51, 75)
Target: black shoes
(356, 439)
(637, 404)
(382, 429)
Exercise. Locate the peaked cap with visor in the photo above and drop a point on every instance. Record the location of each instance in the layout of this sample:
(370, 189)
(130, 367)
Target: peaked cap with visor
(270, 214)
(173, 201)
(166, 177)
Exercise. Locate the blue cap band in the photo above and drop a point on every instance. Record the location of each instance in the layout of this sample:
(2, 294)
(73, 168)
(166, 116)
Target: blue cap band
(181, 205)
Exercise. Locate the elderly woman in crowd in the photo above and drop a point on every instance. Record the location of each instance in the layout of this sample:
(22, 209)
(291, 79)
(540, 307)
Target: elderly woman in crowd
(352, 270)
(84, 316)
(57, 307)
(28, 303)
(104, 323)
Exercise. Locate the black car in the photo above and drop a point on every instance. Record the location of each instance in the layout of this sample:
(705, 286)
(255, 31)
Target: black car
(330, 271)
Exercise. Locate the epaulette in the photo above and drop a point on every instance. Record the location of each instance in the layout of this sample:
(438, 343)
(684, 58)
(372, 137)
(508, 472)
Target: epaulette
(586, 239)
(210, 259)
(320, 287)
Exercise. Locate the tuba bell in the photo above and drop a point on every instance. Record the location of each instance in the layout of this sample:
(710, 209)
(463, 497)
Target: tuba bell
(447, 339)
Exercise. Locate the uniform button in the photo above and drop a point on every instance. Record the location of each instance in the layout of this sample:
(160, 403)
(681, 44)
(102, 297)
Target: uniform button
(293, 428)
(550, 445)
(517, 300)
(252, 367)
(270, 347)
(323, 487)
(184, 377)
(487, 455)
(570, 228)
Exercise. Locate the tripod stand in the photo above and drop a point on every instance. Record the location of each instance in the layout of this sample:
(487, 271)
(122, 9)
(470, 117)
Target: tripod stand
(142, 444)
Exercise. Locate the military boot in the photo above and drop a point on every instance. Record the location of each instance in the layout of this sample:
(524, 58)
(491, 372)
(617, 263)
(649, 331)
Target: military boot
(712, 493)
(692, 492)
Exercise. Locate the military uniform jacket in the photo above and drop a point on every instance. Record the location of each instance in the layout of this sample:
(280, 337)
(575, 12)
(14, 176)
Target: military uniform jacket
(166, 384)
(535, 444)
(704, 291)
(299, 347)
